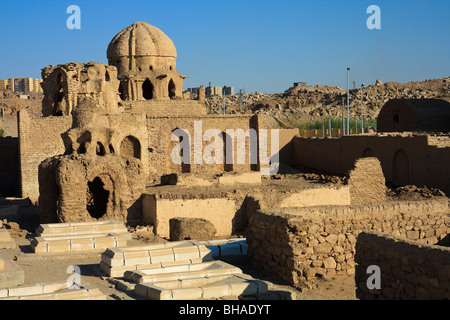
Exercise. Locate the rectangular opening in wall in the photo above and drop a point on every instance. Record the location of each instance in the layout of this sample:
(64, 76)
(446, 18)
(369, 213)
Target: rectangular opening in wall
(396, 118)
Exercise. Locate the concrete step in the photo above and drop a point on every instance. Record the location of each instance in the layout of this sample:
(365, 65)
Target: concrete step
(116, 261)
(50, 291)
(179, 272)
(81, 228)
(212, 287)
(76, 243)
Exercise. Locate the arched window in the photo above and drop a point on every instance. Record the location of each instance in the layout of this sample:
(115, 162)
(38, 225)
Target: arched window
(100, 149)
(121, 90)
(130, 147)
(228, 154)
(96, 198)
(147, 89)
(172, 89)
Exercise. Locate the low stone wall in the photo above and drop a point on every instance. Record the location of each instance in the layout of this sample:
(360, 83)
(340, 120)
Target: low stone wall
(407, 269)
(299, 243)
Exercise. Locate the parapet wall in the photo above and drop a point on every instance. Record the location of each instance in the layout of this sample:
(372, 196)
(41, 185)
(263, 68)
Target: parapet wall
(408, 269)
(298, 243)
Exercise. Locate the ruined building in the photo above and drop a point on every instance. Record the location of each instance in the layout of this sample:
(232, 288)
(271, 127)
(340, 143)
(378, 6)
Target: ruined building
(109, 130)
(426, 115)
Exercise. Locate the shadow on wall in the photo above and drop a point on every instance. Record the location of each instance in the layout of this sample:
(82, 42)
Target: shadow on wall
(134, 213)
(9, 167)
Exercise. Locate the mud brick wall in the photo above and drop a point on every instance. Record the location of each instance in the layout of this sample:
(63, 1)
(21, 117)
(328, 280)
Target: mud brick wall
(367, 183)
(424, 162)
(225, 210)
(160, 144)
(408, 269)
(299, 243)
(39, 138)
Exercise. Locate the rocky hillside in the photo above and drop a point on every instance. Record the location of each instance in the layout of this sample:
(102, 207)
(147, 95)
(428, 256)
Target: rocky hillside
(12, 103)
(296, 104)
(300, 103)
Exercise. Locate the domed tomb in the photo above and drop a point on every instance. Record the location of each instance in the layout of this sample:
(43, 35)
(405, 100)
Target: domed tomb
(145, 58)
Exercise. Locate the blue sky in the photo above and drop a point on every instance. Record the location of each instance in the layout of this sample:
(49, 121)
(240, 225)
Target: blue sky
(257, 45)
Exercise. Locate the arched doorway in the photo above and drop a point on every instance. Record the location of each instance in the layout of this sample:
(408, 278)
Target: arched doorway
(400, 168)
(122, 94)
(228, 154)
(96, 198)
(130, 147)
(367, 153)
(147, 89)
(180, 156)
(172, 89)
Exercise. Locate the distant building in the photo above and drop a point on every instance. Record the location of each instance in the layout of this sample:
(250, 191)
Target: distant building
(21, 85)
(426, 115)
(229, 91)
(213, 91)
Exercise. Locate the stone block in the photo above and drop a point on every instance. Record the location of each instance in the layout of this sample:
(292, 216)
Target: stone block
(25, 291)
(216, 291)
(182, 228)
(185, 253)
(162, 255)
(187, 294)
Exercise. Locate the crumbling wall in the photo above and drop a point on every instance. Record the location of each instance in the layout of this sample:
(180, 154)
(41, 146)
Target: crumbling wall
(408, 269)
(366, 182)
(79, 188)
(65, 84)
(298, 243)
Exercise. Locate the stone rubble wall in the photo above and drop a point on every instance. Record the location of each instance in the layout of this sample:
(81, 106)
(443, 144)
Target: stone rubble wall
(408, 269)
(297, 244)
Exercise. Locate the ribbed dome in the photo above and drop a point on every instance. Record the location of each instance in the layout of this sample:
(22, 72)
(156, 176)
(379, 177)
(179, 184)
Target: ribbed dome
(141, 39)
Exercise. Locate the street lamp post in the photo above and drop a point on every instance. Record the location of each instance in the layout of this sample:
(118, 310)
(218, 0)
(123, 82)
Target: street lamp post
(240, 99)
(362, 111)
(3, 105)
(348, 103)
(224, 92)
(343, 117)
